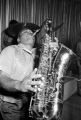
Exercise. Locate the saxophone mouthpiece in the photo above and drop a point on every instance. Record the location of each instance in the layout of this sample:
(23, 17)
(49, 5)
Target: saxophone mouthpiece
(35, 32)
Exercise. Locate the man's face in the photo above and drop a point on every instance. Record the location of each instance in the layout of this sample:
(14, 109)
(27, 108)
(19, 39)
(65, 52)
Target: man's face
(27, 37)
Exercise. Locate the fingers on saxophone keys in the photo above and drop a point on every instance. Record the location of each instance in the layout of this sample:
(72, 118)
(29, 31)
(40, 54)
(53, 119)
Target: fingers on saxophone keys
(38, 85)
(36, 76)
(31, 88)
(38, 79)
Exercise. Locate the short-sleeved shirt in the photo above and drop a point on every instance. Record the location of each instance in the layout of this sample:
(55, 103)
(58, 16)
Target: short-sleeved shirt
(16, 61)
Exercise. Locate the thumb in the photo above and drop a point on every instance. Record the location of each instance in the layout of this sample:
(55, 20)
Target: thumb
(34, 72)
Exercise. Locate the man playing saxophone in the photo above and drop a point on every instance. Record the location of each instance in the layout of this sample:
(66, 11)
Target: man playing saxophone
(17, 76)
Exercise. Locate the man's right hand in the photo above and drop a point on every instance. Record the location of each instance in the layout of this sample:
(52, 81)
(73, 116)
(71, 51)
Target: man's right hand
(30, 82)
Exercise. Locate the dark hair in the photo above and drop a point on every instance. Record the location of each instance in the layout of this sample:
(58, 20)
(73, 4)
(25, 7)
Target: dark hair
(12, 23)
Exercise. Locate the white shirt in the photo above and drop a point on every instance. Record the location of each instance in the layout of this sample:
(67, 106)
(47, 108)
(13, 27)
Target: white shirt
(17, 61)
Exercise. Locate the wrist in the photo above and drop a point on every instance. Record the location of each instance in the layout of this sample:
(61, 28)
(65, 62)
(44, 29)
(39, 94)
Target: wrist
(20, 87)
(17, 86)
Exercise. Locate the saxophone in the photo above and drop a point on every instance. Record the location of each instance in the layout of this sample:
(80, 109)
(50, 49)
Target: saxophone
(47, 104)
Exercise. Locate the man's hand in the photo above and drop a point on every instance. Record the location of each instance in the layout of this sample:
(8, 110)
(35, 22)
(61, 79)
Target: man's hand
(30, 83)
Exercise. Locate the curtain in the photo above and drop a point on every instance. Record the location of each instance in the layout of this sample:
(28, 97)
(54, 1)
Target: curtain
(36, 11)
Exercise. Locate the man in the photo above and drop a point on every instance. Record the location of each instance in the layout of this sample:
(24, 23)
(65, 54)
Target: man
(17, 77)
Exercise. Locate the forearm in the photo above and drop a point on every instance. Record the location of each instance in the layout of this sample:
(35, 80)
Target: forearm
(25, 85)
(9, 84)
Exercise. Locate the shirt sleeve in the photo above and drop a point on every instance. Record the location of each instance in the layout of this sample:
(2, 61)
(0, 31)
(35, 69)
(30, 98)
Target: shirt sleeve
(6, 59)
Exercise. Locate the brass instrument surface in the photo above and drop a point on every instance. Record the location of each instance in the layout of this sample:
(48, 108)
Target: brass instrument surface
(39, 99)
(47, 104)
(50, 99)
